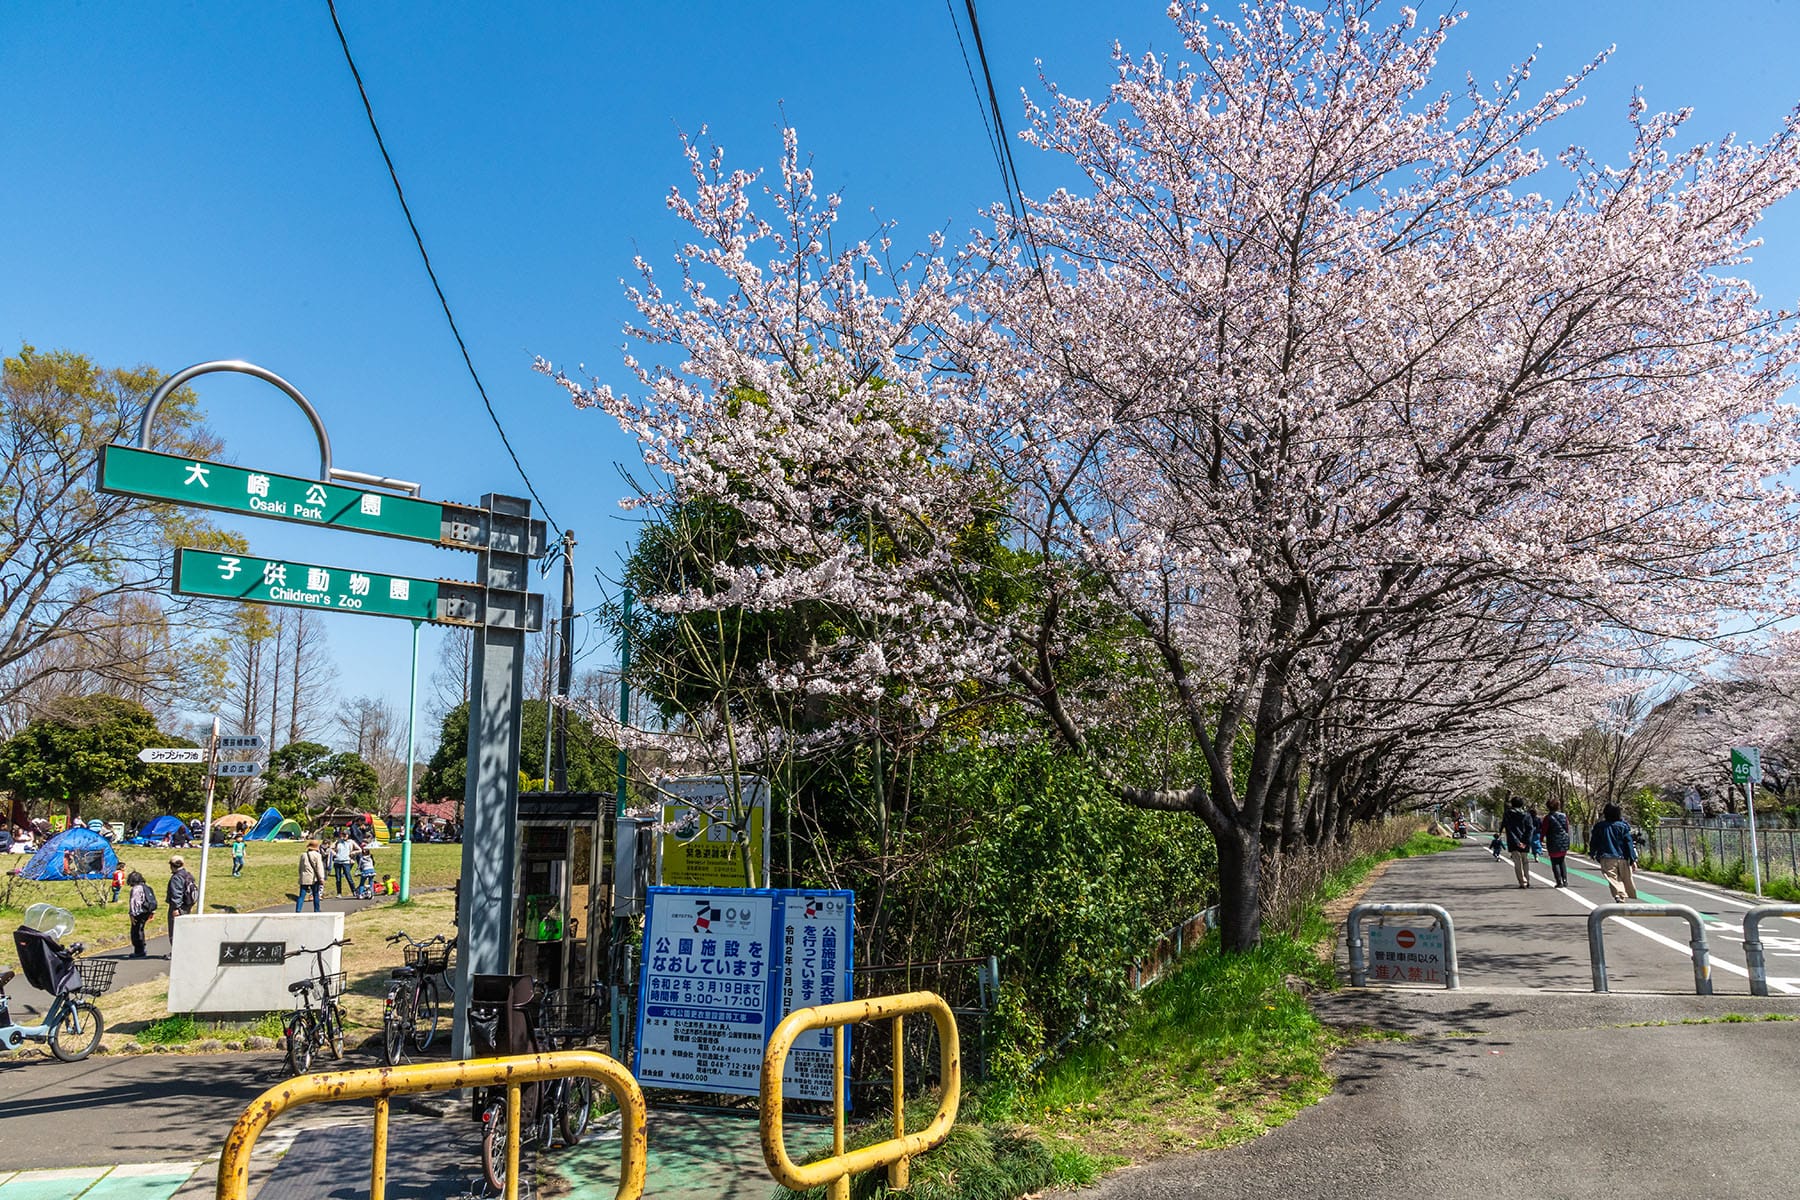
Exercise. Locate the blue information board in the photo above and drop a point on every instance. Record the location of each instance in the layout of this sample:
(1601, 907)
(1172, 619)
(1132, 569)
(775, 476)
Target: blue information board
(721, 967)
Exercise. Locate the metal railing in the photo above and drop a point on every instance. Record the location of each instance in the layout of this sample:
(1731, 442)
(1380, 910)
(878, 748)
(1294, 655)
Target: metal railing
(1693, 844)
(834, 1172)
(1697, 943)
(384, 1083)
(1753, 949)
(1353, 931)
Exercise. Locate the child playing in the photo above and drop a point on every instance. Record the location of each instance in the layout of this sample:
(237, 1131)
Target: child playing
(118, 881)
(237, 856)
(365, 869)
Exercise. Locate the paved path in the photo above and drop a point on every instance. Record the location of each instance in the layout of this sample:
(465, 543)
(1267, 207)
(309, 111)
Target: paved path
(1526, 1085)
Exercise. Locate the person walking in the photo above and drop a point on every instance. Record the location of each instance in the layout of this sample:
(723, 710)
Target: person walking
(312, 875)
(181, 894)
(1537, 830)
(1555, 831)
(1516, 826)
(343, 856)
(237, 856)
(140, 903)
(1611, 845)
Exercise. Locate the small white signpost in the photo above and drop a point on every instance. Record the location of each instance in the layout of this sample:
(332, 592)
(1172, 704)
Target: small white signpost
(173, 755)
(208, 755)
(1407, 953)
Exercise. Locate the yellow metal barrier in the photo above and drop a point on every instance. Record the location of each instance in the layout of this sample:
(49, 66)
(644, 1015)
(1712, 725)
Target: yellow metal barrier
(384, 1083)
(897, 1150)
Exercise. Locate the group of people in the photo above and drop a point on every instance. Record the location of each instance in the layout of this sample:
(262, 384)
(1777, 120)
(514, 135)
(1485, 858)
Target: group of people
(1524, 833)
(180, 895)
(348, 854)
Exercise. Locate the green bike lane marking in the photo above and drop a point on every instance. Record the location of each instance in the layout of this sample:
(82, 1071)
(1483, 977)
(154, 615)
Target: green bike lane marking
(131, 1181)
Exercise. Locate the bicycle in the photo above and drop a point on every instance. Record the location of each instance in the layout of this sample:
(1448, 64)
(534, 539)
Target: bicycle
(557, 1020)
(73, 1025)
(410, 1015)
(307, 1028)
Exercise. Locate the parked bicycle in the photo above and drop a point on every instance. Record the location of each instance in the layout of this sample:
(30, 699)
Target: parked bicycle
(562, 1019)
(409, 1019)
(308, 1028)
(73, 1025)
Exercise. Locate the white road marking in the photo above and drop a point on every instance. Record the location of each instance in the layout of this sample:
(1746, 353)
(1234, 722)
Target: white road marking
(1685, 951)
(1665, 881)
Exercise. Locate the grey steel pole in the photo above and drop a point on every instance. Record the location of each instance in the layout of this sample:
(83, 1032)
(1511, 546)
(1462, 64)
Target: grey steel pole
(412, 752)
(212, 761)
(491, 790)
(1755, 860)
(1753, 948)
(565, 670)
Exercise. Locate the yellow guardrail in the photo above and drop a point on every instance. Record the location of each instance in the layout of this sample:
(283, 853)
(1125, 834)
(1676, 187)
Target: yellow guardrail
(384, 1083)
(893, 1153)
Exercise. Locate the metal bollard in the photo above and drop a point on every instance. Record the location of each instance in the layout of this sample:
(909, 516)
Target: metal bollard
(1697, 949)
(1353, 924)
(1753, 950)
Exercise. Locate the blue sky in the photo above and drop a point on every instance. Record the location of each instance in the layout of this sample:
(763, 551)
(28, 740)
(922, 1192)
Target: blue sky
(197, 181)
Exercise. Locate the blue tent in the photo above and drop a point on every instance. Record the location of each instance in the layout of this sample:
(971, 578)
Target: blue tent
(266, 825)
(160, 828)
(73, 854)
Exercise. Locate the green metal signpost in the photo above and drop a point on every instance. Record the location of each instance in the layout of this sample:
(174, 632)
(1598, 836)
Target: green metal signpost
(127, 471)
(304, 585)
(498, 607)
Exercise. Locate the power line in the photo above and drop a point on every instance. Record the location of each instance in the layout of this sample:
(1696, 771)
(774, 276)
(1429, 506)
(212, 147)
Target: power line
(981, 104)
(419, 241)
(1009, 170)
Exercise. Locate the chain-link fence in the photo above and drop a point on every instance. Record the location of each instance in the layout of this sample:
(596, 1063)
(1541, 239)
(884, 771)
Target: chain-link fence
(1698, 844)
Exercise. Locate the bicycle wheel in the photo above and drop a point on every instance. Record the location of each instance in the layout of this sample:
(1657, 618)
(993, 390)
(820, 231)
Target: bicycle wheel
(576, 1107)
(493, 1145)
(74, 1037)
(297, 1035)
(332, 1021)
(425, 1016)
(397, 1024)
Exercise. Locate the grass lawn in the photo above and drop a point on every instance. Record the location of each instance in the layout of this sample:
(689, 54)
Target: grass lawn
(271, 876)
(140, 1013)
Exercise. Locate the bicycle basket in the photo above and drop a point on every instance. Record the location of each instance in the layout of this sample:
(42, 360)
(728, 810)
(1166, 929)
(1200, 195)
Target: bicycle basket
(334, 985)
(429, 958)
(96, 974)
(571, 1012)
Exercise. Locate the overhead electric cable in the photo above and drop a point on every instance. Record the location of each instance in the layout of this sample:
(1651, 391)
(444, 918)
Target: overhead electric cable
(1010, 170)
(981, 103)
(443, 301)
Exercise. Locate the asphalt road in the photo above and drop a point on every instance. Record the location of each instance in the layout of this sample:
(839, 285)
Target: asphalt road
(1526, 1085)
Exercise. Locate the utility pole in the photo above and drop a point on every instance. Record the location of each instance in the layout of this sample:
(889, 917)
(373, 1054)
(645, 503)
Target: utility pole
(565, 668)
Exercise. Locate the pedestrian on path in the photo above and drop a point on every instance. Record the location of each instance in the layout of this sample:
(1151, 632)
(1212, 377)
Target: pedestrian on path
(1611, 845)
(365, 870)
(343, 854)
(1517, 827)
(1537, 830)
(182, 893)
(1555, 831)
(312, 875)
(237, 856)
(140, 903)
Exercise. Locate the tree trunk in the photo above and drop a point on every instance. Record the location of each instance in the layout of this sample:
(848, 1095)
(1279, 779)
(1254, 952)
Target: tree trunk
(1240, 889)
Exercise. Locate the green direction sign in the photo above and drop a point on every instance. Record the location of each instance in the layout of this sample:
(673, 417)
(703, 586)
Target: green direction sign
(127, 471)
(304, 585)
(1746, 764)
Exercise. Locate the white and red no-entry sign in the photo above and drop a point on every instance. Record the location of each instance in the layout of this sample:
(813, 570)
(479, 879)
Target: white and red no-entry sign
(1405, 954)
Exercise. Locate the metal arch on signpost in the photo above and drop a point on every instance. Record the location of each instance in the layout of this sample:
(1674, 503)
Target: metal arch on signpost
(237, 366)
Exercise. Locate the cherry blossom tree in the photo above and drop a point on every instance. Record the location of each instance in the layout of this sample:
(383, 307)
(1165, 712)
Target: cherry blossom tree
(1318, 370)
